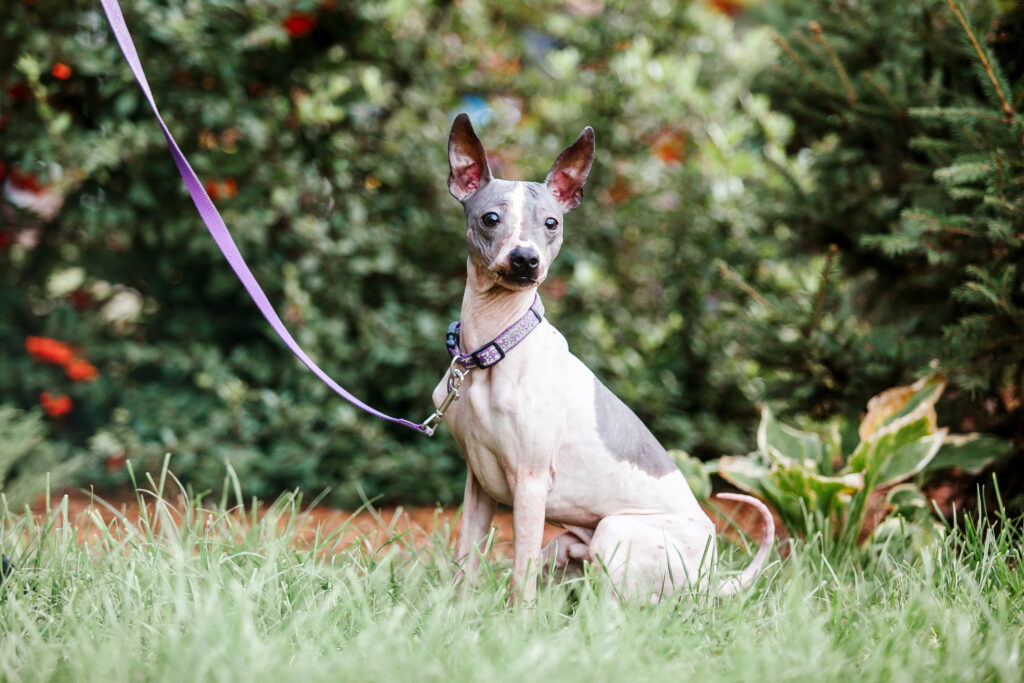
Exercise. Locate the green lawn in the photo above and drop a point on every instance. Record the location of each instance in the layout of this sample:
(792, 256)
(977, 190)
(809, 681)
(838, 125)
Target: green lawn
(209, 596)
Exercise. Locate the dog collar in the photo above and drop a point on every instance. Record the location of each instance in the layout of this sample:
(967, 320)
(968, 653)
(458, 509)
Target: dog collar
(493, 351)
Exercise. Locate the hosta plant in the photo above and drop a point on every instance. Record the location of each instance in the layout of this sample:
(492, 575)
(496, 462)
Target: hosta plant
(815, 486)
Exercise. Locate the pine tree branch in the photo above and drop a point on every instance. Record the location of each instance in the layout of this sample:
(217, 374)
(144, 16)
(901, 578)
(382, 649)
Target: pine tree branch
(731, 274)
(851, 94)
(801, 64)
(938, 225)
(885, 94)
(826, 274)
(999, 174)
(1000, 303)
(1008, 111)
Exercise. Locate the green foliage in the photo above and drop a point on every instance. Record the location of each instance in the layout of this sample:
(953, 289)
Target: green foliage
(27, 460)
(818, 489)
(906, 238)
(325, 151)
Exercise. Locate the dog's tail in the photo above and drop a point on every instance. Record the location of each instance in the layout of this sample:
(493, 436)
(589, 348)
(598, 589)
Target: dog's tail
(744, 580)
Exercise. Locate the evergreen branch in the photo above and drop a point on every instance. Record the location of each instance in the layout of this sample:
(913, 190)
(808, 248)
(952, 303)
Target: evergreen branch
(826, 274)
(994, 292)
(1008, 111)
(955, 114)
(801, 64)
(999, 175)
(885, 95)
(736, 278)
(851, 94)
(1007, 206)
(937, 224)
(963, 173)
(998, 301)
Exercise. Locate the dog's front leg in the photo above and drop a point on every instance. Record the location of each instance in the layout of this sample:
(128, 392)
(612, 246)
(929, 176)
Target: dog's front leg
(477, 515)
(529, 501)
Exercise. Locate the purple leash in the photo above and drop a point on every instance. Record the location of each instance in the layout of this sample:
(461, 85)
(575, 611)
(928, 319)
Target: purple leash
(219, 232)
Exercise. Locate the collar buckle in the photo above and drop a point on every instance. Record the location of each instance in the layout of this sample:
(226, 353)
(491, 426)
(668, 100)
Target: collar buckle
(481, 362)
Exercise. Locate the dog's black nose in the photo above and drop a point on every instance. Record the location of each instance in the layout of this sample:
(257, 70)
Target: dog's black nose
(523, 261)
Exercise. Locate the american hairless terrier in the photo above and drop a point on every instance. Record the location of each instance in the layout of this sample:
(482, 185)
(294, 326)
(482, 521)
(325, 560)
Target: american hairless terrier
(538, 430)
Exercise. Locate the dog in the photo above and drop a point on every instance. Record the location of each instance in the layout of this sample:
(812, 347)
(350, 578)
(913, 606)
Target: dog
(538, 430)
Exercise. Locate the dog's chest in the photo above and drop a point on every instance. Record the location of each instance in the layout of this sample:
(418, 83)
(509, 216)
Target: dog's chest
(508, 420)
(507, 426)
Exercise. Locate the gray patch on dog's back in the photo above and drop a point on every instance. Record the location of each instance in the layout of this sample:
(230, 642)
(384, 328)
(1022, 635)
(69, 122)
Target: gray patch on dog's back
(626, 437)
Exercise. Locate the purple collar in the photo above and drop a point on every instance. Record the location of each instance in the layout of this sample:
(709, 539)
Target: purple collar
(493, 351)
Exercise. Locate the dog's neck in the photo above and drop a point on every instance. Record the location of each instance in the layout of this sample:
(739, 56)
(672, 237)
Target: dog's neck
(488, 309)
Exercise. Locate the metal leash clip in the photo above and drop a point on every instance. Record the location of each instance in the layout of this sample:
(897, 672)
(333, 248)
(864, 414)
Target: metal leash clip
(456, 375)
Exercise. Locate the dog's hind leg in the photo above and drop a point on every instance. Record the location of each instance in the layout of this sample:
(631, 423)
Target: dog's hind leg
(652, 556)
(564, 554)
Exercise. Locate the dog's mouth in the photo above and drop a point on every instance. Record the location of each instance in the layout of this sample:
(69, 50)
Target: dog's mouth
(513, 281)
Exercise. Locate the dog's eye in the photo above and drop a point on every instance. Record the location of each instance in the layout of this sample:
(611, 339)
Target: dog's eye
(490, 219)
(551, 224)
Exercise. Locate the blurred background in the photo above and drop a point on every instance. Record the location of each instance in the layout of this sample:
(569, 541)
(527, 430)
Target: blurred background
(796, 204)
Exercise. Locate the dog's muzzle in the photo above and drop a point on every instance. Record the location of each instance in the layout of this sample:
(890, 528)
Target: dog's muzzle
(523, 263)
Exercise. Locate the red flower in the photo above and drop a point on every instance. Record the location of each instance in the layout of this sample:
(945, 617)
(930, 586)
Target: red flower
(669, 146)
(61, 71)
(27, 182)
(81, 370)
(729, 8)
(211, 189)
(49, 350)
(221, 188)
(298, 24)
(55, 406)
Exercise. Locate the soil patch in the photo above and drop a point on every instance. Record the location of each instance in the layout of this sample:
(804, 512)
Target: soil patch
(419, 526)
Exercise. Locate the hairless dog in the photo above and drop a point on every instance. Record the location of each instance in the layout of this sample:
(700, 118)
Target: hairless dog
(538, 430)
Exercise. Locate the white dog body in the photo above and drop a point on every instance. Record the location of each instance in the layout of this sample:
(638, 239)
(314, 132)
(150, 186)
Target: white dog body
(538, 430)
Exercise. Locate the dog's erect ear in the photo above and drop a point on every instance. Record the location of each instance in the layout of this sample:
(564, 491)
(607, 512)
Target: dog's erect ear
(467, 159)
(569, 173)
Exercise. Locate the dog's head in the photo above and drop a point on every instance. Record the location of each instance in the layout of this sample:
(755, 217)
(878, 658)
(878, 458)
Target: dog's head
(514, 228)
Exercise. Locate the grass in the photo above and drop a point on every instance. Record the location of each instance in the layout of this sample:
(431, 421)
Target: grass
(214, 595)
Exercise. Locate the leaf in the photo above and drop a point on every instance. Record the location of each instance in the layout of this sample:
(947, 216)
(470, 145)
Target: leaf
(790, 488)
(833, 443)
(870, 456)
(819, 493)
(927, 391)
(695, 472)
(803, 447)
(907, 500)
(911, 458)
(903, 402)
(742, 473)
(971, 453)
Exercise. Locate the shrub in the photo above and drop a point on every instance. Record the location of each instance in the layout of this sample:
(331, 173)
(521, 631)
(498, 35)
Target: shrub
(319, 130)
(27, 460)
